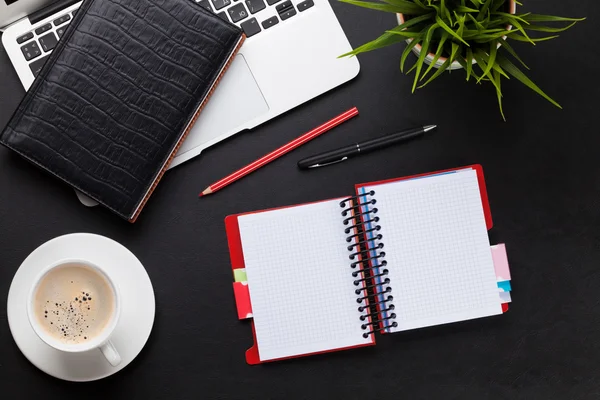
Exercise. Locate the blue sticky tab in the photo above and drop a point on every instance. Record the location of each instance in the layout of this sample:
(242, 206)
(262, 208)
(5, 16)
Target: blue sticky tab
(504, 286)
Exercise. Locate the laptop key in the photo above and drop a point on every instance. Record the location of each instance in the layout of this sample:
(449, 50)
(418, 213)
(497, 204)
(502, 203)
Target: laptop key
(267, 23)
(61, 20)
(205, 4)
(223, 16)
(48, 42)
(250, 27)
(284, 5)
(287, 14)
(255, 6)
(237, 12)
(305, 5)
(31, 50)
(271, 2)
(220, 3)
(42, 29)
(37, 65)
(286, 10)
(61, 31)
(25, 37)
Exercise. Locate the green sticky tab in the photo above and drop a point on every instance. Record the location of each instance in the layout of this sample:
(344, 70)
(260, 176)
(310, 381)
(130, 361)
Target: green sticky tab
(239, 275)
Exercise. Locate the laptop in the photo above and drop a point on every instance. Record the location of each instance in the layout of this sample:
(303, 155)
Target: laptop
(290, 56)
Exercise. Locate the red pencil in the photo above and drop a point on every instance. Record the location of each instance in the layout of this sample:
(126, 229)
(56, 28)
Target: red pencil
(280, 151)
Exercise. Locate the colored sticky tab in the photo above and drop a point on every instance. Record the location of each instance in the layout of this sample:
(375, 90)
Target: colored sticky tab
(239, 275)
(504, 286)
(505, 297)
(242, 300)
(501, 262)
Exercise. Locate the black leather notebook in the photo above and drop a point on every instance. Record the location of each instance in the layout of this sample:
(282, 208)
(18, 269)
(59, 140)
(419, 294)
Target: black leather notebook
(119, 94)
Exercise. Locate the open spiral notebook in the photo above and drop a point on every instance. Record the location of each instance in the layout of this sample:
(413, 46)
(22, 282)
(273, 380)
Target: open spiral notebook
(402, 254)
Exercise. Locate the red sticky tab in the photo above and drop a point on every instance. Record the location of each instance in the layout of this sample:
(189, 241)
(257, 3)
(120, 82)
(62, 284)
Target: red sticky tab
(242, 300)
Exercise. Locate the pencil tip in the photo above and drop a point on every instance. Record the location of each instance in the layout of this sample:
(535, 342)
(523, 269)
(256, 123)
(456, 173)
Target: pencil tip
(205, 192)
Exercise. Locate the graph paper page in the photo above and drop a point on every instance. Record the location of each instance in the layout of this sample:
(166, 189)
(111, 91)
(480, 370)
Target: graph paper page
(437, 250)
(300, 280)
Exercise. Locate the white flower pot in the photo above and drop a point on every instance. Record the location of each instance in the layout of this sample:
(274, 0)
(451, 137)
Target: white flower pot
(440, 61)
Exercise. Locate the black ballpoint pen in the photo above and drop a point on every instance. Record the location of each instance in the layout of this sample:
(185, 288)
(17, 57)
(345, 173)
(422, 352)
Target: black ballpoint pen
(344, 153)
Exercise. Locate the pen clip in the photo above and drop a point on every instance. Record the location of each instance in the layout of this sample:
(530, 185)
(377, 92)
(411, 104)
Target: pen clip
(329, 163)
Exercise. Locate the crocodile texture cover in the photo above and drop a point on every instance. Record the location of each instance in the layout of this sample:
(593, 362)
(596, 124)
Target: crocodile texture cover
(118, 95)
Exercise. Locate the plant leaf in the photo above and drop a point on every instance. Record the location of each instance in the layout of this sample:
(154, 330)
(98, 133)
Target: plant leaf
(424, 50)
(511, 51)
(443, 9)
(541, 28)
(444, 66)
(487, 38)
(516, 24)
(497, 4)
(464, 64)
(438, 53)
(413, 21)
(406, 34)
(463, 9)
(549, 18)
(484, 10)
(389, 38)
(469, 62)
(382, 41)
(530, 40)
(498, 85)
(498, 69)
(411, 69)
(512, 70)
(407, 50)
(461, 25)
(491, 60)
(448, 29)
(512, 17)
(477, 23)
(439, 71)
(480, 57)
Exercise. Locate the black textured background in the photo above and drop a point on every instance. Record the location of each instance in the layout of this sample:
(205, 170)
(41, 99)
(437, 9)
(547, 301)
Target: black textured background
(543, 178)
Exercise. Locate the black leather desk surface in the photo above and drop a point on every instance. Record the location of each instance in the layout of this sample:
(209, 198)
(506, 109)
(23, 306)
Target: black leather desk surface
(543, 178)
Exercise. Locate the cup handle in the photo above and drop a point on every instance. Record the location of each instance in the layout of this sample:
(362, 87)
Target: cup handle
(111, 354)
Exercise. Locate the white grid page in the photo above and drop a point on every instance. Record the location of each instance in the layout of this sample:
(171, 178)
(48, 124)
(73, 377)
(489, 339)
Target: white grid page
(437, 250)
(300, 280)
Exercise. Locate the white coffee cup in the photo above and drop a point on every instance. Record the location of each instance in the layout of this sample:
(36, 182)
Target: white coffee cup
(99, 341)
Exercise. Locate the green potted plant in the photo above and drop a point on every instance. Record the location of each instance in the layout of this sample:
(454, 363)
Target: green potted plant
(463, 34)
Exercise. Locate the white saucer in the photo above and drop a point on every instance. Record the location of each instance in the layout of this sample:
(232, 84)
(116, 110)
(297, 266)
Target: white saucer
(137, 312)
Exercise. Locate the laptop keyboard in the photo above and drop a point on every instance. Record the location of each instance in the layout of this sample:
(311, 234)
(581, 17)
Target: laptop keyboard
(37, 45)
(241, 12)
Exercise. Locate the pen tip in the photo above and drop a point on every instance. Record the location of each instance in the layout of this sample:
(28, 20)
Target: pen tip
(428, 128)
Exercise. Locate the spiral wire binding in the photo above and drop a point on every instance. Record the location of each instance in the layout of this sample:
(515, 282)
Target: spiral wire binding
(365, 242)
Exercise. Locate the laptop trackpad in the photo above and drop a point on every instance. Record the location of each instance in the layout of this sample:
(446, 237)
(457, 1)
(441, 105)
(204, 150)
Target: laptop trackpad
(236, 100)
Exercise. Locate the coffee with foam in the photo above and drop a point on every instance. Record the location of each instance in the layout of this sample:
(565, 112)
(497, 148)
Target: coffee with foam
(74, 303)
